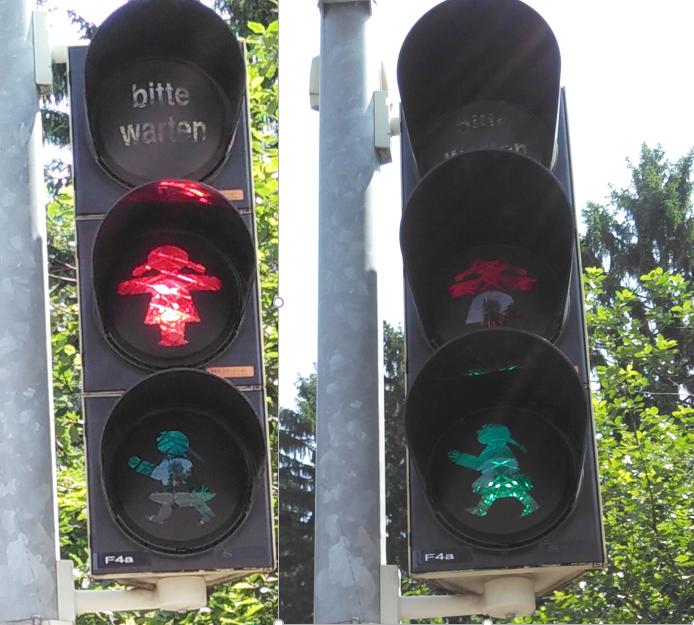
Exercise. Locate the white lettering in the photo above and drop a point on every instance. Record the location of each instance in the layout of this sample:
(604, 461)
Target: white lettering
(119, 559)
(139, 97)
(168, 131)
(182, 96)
(183, 130)
(202, 127)
(159, 93)
(149, 134)
(438, 556)
(130, 134)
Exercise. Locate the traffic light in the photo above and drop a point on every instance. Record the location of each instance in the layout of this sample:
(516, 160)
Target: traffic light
(171, 338)
(502, 469)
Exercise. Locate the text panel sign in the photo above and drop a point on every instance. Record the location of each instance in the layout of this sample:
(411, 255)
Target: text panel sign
(162, 118)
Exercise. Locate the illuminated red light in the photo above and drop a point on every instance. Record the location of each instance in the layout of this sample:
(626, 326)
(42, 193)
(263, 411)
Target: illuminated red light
(170, 280)
(489, 275)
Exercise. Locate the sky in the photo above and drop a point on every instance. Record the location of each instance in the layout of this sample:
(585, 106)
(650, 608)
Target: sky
(626, 69)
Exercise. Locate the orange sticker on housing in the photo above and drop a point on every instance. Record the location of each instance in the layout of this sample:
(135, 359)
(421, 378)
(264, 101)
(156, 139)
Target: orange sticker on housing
(233, 195)
(244, 371)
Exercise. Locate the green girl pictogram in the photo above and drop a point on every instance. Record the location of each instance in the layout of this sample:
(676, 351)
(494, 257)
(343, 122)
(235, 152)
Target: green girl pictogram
(175, 473)
(501, 476)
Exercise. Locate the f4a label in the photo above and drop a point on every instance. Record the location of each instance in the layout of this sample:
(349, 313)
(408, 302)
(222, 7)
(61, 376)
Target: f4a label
(438, 556)
(124, 559)
(119, 559)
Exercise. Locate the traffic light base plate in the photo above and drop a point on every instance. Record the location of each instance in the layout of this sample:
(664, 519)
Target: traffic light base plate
(501, 597)
(544, 578)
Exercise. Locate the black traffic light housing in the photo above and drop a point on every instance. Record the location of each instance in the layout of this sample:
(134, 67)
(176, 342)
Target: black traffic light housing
(502, 471)
(173, 382)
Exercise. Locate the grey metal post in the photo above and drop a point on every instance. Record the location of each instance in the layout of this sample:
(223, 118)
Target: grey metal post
(28, 545)
(349, 462)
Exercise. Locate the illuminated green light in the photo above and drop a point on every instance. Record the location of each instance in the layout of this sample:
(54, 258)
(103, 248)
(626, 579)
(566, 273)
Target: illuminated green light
(501, 476)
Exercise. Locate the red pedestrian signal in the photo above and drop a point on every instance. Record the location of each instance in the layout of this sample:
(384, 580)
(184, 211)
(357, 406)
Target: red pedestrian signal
(495, 212)
(171, 338)
(169, 277)
(173, 266)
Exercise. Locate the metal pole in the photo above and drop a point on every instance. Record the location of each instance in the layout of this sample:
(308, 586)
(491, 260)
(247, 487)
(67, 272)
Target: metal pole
(349, 460)
(28, 531)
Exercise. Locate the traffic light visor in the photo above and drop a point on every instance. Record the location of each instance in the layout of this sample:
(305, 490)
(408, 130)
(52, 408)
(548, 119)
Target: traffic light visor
(476, 75)
(487, 240)
(173, 266)
(163, 101)
(496, 423)
(180, 454)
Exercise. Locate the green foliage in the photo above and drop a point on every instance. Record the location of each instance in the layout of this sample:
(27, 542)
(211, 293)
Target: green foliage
(253, 599)
(241, 13)
(66, 378)
(396, 470)
(262, 50)
(645, 442)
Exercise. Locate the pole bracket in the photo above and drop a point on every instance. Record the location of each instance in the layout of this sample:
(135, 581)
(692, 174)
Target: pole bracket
(386, 125)
(43, 72)
(502, 597)
(185, 592)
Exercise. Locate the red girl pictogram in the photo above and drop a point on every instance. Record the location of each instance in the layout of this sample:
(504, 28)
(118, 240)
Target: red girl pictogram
(172, 279)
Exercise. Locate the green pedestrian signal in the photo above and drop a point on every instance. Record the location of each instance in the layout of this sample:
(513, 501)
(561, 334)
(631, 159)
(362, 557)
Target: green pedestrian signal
(502, 470)
(501, 476)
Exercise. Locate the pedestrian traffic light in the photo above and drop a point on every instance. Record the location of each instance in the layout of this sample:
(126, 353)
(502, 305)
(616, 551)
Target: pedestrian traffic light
(171, 338)
(498, 419)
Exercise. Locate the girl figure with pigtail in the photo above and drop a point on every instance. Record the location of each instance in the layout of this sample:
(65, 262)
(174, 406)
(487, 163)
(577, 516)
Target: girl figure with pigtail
(501, 476)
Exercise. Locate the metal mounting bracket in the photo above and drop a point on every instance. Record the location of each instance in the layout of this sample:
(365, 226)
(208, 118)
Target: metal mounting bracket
(503, 597)
(386, 125)
(187, 592)
(43, 72)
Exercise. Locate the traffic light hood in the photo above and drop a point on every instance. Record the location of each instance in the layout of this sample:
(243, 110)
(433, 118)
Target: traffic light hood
(487, 240)
(173, 267)
(476, 74)
(496, 423)
(164, 83)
